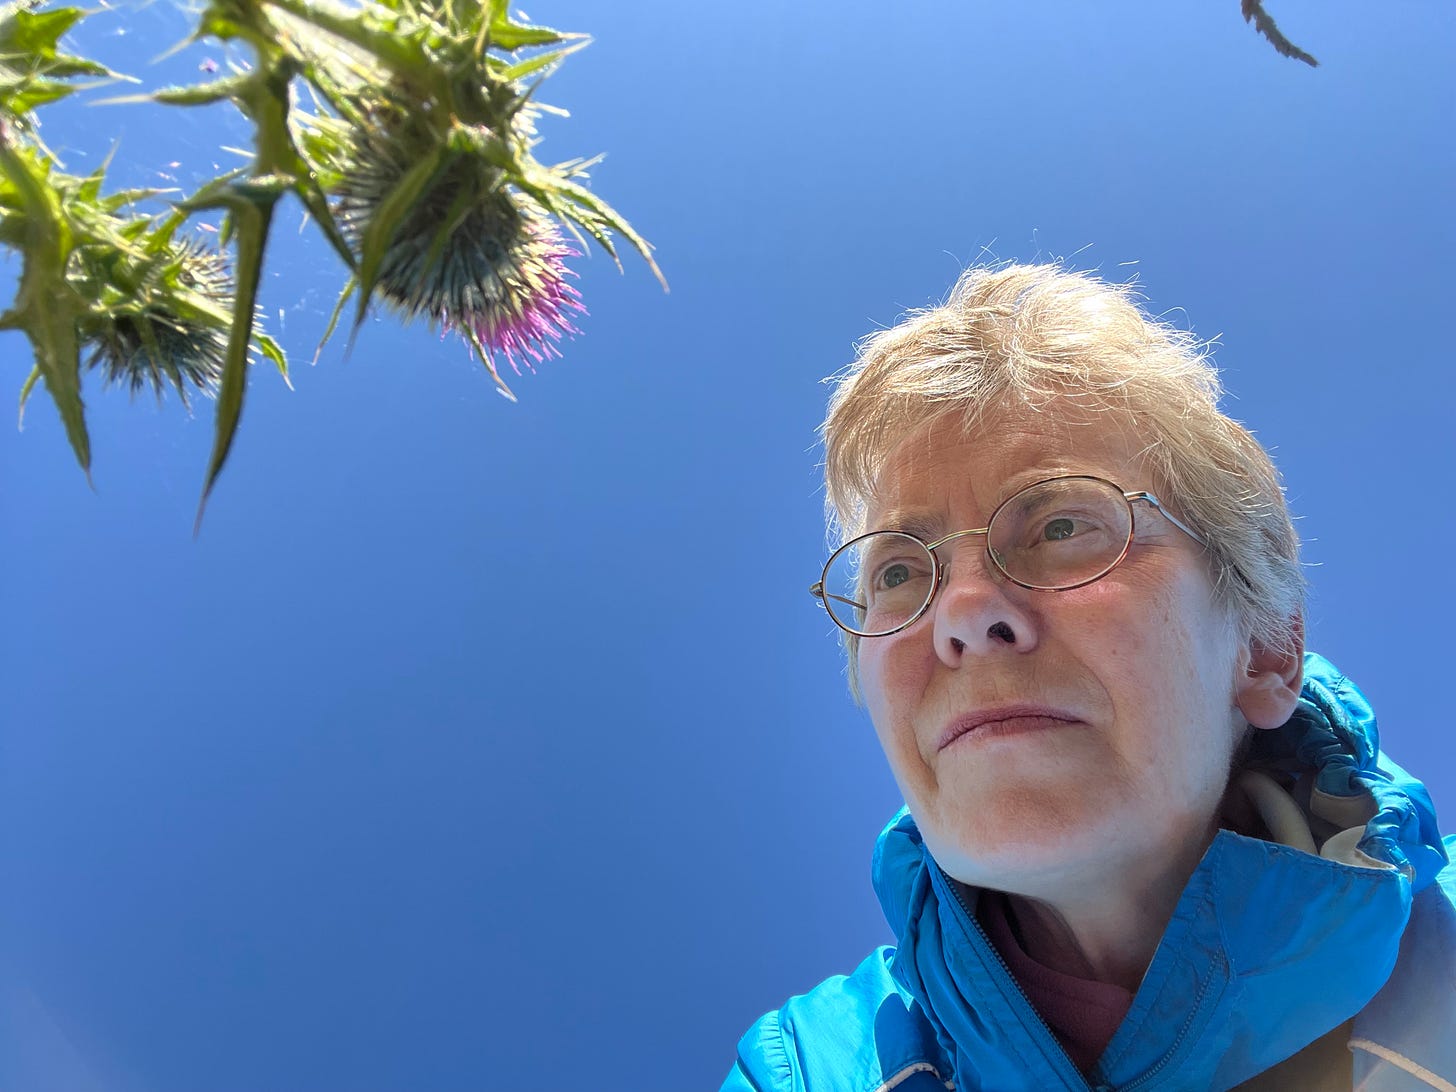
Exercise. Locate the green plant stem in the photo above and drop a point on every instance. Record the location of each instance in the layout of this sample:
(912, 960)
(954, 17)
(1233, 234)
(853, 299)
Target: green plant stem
(383, 46)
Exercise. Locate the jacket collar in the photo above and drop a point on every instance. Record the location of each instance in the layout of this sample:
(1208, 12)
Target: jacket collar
(1268, 948)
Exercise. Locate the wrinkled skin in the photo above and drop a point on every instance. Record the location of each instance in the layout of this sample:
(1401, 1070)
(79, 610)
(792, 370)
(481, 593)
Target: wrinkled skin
(1094, 817)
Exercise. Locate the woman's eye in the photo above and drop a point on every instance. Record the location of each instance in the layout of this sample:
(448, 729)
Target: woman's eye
(894, 575)
(1055, 530)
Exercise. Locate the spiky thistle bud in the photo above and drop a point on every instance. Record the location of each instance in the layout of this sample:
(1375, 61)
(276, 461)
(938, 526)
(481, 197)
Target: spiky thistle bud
(469, 253)
(171, 328)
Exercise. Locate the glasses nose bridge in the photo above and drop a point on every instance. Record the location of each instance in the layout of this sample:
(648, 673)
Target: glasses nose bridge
(938, 543)
(943, 566)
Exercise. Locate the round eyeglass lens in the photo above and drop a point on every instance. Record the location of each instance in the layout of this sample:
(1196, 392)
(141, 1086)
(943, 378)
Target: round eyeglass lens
(876, 583)
(1061, 533)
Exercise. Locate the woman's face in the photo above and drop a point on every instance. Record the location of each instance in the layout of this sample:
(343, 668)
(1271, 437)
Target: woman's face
(1114, 706)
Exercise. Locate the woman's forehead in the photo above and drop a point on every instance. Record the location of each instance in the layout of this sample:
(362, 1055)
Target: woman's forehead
(946, 464)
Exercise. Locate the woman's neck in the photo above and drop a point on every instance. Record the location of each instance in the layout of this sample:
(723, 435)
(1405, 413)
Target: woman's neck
(1106, 928)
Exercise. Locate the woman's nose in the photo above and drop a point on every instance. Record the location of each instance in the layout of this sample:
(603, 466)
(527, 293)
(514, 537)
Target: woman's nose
(978, 611)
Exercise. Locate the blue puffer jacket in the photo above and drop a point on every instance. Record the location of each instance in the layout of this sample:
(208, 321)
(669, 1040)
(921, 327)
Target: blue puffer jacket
(1270, 947)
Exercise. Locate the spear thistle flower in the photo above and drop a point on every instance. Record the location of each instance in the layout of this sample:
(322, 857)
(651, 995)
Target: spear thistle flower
(470, 253)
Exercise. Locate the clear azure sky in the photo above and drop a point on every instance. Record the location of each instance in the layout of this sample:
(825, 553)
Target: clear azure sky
(488, 746)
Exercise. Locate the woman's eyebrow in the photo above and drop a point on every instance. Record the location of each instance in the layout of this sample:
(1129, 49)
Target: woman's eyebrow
(917, 523)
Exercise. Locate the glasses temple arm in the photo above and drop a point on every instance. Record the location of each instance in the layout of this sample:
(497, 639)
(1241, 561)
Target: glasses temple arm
(818, 592)
(1194, 535)
(1167, 515)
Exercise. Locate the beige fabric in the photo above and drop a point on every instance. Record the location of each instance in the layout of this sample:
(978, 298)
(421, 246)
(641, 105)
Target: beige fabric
(1325, 1065)
(1400, 1062)
(910, 1071)
(1281, 815)
(1287, 824)
(1343, 811)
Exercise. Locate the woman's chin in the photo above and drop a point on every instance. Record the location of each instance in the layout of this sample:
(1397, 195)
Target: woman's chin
(1011, 855)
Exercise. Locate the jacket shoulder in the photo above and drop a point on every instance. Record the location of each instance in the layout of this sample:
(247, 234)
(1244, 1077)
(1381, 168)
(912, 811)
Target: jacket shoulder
(1406, 1036)
(851, 1033)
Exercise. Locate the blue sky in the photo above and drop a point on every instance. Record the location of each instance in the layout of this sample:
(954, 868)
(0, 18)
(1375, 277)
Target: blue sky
(478, 745)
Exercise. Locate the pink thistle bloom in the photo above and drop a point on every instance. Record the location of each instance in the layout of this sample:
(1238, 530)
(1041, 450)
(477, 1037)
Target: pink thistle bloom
(471, 253)
(527, 319)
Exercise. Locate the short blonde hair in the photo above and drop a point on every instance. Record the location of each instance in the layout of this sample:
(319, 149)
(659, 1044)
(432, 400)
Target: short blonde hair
(1022, 335)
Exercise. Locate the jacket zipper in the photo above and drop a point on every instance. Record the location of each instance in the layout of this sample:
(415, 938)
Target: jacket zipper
(1194, 1017)
(1059, 1057)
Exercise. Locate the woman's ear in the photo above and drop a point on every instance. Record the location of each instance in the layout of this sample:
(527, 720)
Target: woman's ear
(1267, 689)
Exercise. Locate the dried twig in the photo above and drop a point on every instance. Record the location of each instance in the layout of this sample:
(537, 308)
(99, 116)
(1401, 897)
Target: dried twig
(1254, 13)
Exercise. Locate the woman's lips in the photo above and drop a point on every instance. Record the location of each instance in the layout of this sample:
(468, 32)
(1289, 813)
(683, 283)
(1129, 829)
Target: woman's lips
(1006, 721)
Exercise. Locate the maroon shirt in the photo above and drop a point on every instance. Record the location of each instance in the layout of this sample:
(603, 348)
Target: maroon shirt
(1082, 1014)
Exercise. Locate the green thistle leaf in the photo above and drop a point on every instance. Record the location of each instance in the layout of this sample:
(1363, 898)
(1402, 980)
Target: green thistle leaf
(250, 209)
(542, 62)
(46, 306)
(25, 390)
(274, 352)
(205, 94)
(30, 40)
(348, 290)
(32, 66)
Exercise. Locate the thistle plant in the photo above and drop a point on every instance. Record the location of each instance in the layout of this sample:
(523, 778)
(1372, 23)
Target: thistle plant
(424, 140)
(99, 281)
(417, 163)
(471, 254)
(166, 315)
(414, 157)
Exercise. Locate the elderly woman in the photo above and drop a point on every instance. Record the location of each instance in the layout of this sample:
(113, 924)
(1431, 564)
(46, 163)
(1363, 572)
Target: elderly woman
(1149, 843)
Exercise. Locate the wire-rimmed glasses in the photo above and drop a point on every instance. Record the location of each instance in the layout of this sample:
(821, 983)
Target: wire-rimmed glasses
(1054, 535)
